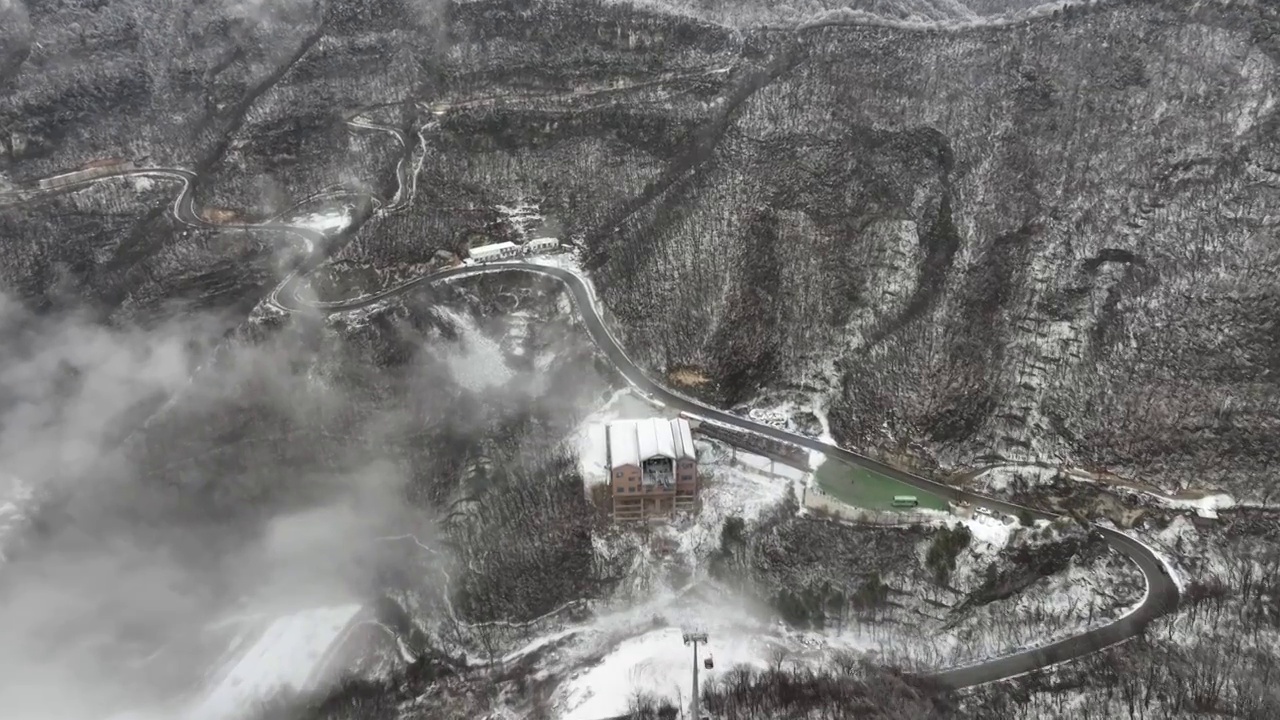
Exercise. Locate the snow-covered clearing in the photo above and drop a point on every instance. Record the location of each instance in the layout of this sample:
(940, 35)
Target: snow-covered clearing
(480, 362)
(775, 418)
(641, 650)
(797, 413)
(989, 529)
(516, 332)
(819, 410)
(329, 221)
(524, 216)
(565, 261)
(1208, 505)
(734, 483)
(1002, 478)
(289, 655)
(768, 466)
(658, 663)
(1172, 546)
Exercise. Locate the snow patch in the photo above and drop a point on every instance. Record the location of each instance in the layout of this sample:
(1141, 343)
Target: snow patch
(1207, 506)
(329, 221)
(819, 410)
(773, 417)
(480, 363)
(1168, 544)
(286, 656)
(523, 216)
(539, 643)
(1260, 100)
(733, 483)
(1000, 479)
(769, 466)
(657, 662)
(988, 529)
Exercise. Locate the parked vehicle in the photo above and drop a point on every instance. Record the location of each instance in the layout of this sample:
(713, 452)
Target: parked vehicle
(542, 244)
(496, 251)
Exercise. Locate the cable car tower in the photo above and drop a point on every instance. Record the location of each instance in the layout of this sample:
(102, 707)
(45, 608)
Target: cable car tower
(693, 638)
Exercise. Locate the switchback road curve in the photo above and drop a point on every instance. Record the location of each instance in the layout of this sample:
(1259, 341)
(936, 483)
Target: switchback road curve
(1162, 592)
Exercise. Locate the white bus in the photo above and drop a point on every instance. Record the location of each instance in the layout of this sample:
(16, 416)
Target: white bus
(542, 244)
(496, 251)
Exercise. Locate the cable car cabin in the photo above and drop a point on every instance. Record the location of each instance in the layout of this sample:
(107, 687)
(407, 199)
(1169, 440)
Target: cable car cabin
(905, 501)
(708, 663)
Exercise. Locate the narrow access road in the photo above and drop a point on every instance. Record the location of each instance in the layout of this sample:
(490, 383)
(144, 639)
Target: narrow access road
(1162, 592)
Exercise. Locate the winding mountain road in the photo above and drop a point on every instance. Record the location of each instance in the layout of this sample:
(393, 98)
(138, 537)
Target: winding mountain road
(1162, 593)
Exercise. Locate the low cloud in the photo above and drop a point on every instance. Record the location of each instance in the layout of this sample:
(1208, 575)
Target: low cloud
(13, 10)
(104, 592)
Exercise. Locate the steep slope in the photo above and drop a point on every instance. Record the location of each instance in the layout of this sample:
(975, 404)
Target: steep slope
(749, 13)
(1051, 240)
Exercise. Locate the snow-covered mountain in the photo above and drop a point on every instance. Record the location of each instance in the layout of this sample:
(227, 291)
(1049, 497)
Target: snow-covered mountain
(1051, 241)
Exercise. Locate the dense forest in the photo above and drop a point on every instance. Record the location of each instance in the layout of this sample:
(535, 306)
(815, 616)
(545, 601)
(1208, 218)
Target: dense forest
(965, 236)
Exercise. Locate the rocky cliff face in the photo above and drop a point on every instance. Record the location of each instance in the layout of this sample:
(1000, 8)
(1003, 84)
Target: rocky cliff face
(1053, 240)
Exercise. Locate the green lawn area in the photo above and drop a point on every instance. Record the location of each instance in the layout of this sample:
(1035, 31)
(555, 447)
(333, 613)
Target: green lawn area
(865, 488)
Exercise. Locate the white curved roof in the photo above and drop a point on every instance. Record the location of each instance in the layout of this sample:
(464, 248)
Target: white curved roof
(482, 251)
(623, 447)
(684, 437)
(631, 442)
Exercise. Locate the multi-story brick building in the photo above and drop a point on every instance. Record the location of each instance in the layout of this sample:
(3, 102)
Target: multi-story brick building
(653, 468)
